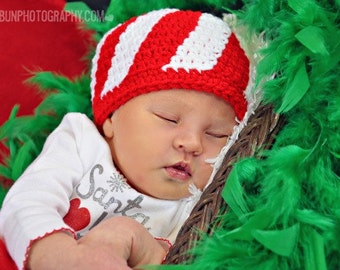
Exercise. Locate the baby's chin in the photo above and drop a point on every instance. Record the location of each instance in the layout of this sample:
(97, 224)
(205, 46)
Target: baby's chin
(185, 191)
(190, 191)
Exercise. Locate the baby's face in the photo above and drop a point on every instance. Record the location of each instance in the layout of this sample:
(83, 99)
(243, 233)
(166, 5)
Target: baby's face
(160, 141)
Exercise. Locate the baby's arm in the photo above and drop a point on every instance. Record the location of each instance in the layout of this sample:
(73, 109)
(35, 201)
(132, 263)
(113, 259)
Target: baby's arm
(36, 204)
(117, 243)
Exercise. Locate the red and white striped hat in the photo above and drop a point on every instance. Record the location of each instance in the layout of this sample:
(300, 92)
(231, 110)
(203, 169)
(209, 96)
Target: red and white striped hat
(168, 49)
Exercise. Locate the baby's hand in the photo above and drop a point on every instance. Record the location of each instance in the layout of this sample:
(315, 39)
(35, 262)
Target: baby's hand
(127, 239)
(117, 243)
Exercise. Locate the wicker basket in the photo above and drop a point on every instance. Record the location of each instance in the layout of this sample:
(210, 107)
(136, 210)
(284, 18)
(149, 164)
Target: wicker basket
(259, 133)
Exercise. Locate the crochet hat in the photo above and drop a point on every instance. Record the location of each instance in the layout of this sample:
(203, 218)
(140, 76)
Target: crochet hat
(168, 49)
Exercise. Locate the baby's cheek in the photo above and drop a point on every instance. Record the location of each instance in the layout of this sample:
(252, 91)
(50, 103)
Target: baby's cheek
(214, 149)
(204, 175)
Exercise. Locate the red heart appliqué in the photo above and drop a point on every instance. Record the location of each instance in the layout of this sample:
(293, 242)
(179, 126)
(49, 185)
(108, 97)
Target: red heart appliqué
(77, 218)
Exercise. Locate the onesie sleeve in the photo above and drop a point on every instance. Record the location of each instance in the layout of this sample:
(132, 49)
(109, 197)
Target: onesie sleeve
(36, 204)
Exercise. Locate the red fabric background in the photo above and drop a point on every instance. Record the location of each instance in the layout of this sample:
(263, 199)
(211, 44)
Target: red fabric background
(29, 45)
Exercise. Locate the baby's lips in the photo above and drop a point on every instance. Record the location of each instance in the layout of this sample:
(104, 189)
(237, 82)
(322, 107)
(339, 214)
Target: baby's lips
(180, 171)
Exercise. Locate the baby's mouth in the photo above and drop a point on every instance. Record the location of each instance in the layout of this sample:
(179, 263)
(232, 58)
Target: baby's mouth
(180, 171)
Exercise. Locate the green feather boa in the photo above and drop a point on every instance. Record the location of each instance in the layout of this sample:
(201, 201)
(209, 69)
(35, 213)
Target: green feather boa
(284, 207)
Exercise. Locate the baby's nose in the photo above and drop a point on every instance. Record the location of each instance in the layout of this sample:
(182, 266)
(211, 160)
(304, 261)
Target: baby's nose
(190, 142)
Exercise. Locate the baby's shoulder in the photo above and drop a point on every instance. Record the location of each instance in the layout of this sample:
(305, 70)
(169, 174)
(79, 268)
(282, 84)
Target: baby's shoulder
(77, 125)
(76, 117)
(76, 120)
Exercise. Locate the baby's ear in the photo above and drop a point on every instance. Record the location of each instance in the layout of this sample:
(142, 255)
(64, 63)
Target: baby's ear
(108, 128)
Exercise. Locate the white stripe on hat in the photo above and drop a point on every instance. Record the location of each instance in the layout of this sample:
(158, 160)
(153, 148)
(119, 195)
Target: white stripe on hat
(117, 71)
(194, 52)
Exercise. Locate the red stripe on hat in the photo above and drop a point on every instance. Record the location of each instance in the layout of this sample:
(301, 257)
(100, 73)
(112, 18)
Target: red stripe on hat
(170, 32)
(106, 54)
